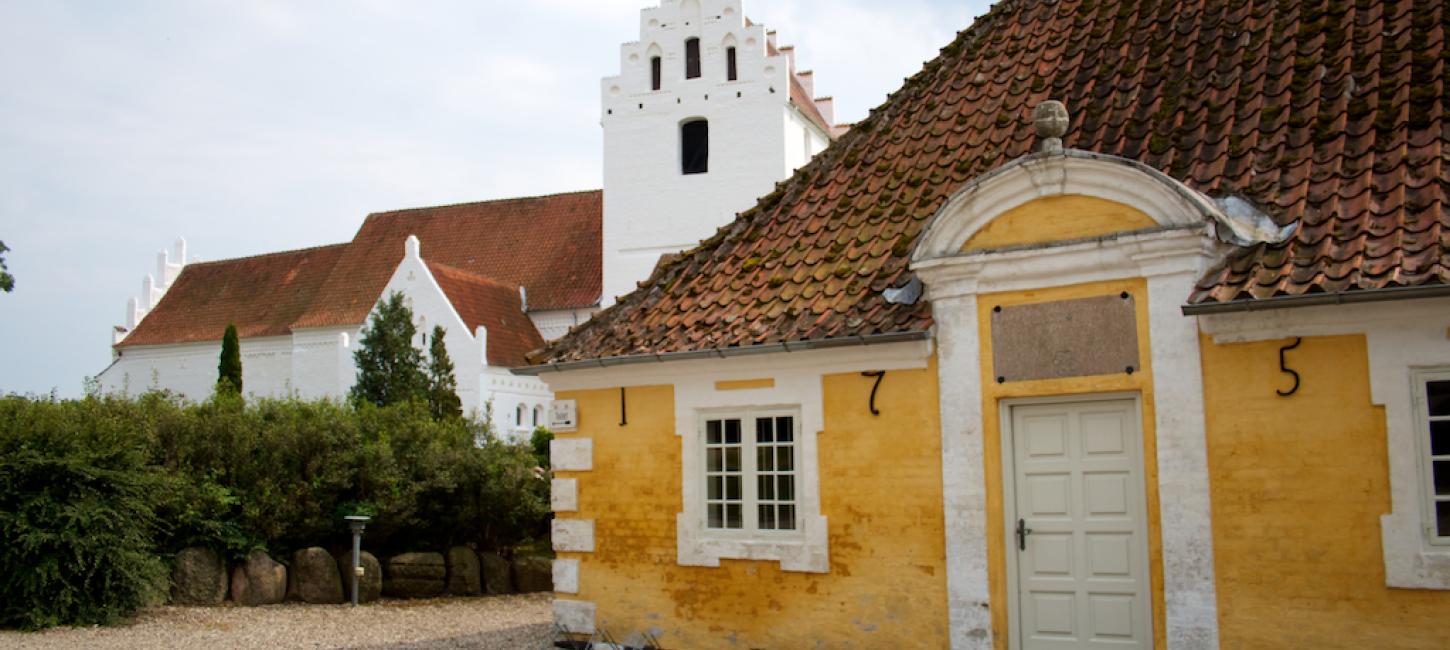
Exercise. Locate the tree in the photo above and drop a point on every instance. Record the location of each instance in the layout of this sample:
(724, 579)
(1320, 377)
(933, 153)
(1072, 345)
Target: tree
(389, 368)
(442, 385)
(229, 369)
(7, 281)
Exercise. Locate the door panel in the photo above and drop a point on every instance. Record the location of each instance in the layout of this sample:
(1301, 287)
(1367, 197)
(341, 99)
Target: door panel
(1082, 568)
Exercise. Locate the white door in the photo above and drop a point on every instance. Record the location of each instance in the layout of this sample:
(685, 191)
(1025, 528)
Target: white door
(1078, 526)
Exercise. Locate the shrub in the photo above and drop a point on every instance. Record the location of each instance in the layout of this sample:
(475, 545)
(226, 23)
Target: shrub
(94, 492)
(77, 520)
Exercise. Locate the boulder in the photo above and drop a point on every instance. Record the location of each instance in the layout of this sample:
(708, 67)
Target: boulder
(370, 587)
(415, 575)
(533, 573)
(464, 578)
(313, 577)
(495, 572)
(259, 581)
(199, 578)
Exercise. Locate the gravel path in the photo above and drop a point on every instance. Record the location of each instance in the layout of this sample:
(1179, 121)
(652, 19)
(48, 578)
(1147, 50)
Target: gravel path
(490, 623)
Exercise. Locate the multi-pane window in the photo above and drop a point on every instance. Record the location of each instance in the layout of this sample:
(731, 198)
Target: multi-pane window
(775, 472)
(750, 472)
(1437, 414)
(724, 477)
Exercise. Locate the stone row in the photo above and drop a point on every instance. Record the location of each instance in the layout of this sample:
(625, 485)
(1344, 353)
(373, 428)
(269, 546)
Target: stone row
(200, 576)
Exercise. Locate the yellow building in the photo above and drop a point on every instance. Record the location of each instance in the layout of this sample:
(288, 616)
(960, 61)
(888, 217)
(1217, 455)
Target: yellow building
(1171, 370)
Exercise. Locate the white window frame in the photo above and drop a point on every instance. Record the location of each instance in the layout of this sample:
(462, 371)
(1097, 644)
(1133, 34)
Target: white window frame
(1422, 379)
(749, 473)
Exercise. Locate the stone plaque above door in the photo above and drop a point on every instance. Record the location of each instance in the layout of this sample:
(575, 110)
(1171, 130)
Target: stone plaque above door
(1065, 338)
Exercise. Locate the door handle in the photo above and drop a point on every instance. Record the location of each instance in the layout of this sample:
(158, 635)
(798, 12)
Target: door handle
(1022, 532)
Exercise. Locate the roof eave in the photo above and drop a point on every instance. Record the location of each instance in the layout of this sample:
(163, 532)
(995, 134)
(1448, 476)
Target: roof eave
(721, 353)
(1310, 300)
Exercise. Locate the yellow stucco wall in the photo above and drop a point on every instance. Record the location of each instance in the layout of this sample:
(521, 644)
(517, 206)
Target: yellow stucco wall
(1139, 383)
(880, 486)
(1058, 218)
(1298, 485)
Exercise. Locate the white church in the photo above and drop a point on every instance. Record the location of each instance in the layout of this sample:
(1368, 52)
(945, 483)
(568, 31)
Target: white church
(706, 115)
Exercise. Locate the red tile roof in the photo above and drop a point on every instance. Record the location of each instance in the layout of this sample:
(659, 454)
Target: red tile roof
(261, 295)
(1330, 113)
(494, 305)
(550, 245)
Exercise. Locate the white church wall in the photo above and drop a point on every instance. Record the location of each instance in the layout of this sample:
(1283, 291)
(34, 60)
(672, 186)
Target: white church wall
(802, 141)
(190, 369)
(513, 396)
(322, 364)
(555, 323)
(650, 207)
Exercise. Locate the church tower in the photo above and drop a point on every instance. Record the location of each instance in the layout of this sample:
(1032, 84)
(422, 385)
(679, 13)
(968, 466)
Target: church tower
(706, 115)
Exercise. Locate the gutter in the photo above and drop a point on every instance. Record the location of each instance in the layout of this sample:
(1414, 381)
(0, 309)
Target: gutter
(1310, 300)
(722, 353)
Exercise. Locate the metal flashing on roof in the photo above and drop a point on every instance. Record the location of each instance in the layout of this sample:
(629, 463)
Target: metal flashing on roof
(1310, 300)
(722, 353)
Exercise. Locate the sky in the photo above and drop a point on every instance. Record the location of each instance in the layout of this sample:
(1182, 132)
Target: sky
(266, 125)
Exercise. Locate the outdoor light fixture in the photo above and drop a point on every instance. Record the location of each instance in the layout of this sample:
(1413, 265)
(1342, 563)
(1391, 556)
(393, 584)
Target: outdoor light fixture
(357, 523)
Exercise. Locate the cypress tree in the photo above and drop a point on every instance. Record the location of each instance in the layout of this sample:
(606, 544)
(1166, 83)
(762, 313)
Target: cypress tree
(229, 369)
(442, 385)
(389, 368)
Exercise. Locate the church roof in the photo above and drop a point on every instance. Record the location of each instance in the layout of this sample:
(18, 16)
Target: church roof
(1331, 114)
(550, 245)
(261, 295)
(494, 305)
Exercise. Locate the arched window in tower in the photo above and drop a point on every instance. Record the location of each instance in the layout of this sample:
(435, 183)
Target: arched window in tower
(692, 58)
(654, 73)
(519, 415)
(730, 70)
(695, 147)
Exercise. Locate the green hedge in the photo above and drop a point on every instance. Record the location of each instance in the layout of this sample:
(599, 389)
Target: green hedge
(94, 492)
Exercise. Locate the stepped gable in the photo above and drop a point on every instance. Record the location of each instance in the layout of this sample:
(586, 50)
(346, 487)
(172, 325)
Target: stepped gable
(261, 295)
(496, 306)
(550, 245)
(1332, 113)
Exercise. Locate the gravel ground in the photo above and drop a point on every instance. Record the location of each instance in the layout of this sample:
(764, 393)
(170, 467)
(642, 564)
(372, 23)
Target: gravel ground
(490, 623)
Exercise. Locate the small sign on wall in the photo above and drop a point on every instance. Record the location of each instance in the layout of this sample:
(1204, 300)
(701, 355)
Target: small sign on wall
(563, 415)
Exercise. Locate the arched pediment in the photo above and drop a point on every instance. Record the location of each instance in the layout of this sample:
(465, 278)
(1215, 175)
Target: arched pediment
(1101, 179)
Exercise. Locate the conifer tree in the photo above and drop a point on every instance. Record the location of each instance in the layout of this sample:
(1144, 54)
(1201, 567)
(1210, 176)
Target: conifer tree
(229, 369)
(442, 385)
(389, 367)
(7, 281)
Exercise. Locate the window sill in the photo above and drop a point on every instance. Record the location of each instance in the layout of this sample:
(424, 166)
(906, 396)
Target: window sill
(804, 551)
(1409, 562)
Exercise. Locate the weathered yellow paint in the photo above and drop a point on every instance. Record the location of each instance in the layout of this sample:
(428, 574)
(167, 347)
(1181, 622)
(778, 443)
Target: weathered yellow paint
(880, 485)
(1140, 383)
(1298, 485)
(743, 384)
(1058, 218)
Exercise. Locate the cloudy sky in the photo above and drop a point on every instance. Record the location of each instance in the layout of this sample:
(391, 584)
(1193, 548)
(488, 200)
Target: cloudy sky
(264, 125)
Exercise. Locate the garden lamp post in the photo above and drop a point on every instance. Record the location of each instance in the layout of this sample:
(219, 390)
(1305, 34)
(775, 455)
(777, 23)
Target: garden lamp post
(357, 523)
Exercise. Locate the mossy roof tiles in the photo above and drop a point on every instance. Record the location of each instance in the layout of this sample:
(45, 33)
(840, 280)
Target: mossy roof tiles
(1329, 112)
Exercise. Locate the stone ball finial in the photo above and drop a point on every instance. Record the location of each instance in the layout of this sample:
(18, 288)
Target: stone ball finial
(1050, 118)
